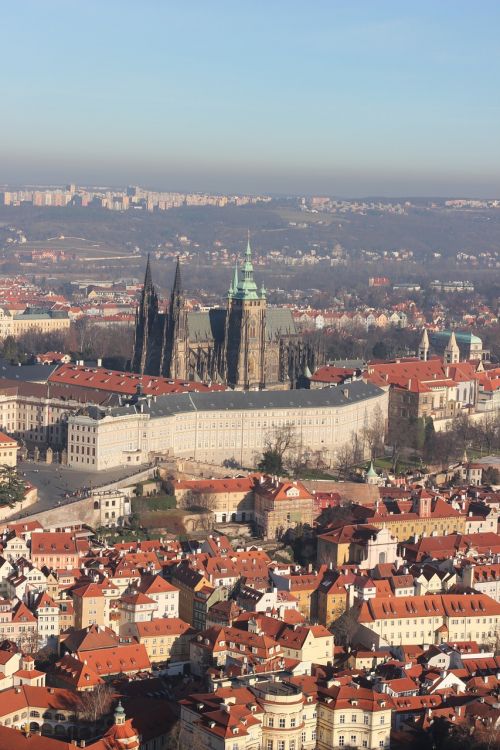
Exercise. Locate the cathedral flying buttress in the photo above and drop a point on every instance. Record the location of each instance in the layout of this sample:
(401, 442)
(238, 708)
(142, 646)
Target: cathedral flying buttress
(246, 345)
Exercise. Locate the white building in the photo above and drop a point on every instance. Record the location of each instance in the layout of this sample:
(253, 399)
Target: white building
(222, 425)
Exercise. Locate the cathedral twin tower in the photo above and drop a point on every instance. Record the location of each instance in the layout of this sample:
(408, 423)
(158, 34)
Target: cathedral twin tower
(247, 345)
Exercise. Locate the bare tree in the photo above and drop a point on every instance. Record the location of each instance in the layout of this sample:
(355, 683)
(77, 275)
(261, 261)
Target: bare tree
(462, 430)
(344, 628)
(398, 440)
(196, 500)
(279, 445)
(357, 448)
(298, 462)
(344, 460)
(30, 642)
(374, 433)
(487, 432)
(97, 703)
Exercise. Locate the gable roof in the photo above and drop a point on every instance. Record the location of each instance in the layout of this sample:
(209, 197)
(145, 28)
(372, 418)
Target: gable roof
(130, 657)
(166, 626)
(91, 638)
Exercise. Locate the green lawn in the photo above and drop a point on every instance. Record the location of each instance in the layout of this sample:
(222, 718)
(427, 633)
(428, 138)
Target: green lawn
(473, 453)
(155, 502)
(404, 464)
(318, 474)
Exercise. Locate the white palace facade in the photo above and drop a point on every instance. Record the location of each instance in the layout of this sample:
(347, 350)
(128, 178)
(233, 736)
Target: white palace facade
(219, 426)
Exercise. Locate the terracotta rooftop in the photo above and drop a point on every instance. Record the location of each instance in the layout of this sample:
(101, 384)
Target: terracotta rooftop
(115, 381)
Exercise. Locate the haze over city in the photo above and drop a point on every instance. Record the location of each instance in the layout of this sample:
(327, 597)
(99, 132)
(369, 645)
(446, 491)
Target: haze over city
(286, 97)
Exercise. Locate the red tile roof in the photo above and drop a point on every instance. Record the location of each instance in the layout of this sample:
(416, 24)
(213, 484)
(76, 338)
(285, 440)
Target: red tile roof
(6, 440)
(123, 658)
(431, 605)
(54, 543)
(420, 376)
(115, 381)
(163, 626)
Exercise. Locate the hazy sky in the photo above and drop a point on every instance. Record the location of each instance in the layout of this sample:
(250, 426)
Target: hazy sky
(350, 97)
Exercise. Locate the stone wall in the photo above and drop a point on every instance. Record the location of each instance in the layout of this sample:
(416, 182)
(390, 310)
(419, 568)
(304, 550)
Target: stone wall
(183, 468)
(71, 514)
(441, 425)
(29, 499)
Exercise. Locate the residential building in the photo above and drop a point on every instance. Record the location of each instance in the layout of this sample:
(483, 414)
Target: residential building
(165, 638)
(353, 716)
(431, 619)
(281, 505)
(56, 549)
(162, 592)
(230, 500)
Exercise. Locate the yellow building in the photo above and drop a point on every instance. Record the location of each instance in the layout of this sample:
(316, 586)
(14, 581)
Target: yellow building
(424, 515)
(92, 604)
(296, 714)
(165, 638)
(41, 322)
(302, 586)
(228, 499)
(8, 450)
(353, 716)
(312, 644)
(189, 582)
(332, 596)
(281, 505)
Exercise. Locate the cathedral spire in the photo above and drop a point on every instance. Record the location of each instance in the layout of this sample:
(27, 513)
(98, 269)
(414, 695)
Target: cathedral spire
(248, 253)
(246, 288)
(452, 351)
(145, 318)
(234, 283)
(148, 279)
(177, 287)
(423, 349)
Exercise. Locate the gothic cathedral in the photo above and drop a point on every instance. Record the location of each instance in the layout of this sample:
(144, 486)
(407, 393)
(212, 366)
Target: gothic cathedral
(247, 345)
